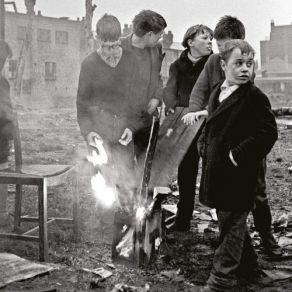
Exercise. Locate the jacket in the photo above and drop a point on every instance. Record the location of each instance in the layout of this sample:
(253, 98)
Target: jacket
(245, 125)
(183, 74)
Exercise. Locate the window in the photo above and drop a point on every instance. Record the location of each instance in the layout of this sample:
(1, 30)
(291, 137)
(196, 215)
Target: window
(12, 69)
(21, 32)
(50, 71)
(61, 37)
(26, 86)
(44, 35)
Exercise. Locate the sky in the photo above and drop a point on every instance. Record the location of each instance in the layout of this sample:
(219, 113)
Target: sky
(181, 14)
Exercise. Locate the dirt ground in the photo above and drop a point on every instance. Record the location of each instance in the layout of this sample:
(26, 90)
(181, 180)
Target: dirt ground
(50, 134)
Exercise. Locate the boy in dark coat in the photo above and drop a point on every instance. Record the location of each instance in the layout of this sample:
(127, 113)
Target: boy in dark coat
(6, 128)
(239, 132)
(227, 28)
(183, 74)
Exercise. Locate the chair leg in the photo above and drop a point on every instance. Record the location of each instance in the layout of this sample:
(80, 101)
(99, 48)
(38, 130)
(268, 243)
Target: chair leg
(17, 210)
(43, 216)
(75, 191)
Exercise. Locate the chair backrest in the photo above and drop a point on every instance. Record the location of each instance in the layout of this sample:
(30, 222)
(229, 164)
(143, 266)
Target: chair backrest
(17, 141)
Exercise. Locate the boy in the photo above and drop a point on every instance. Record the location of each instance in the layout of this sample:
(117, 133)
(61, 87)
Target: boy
(228, 28)
(183, 74)
(6, 128)
(146, 85)
(239, 132)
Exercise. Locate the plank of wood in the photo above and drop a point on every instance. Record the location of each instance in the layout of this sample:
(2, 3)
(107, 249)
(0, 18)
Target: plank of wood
(174, 139)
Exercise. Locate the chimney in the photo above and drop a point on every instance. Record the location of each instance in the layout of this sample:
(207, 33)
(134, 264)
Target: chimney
(127, 30)
(167, 40)
(39, 13)
(272, 23)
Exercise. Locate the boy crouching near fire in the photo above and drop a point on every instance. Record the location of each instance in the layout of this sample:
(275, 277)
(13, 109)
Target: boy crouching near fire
(239, 132)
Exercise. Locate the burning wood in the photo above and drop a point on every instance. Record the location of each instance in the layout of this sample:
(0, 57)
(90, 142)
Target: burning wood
(137, 236)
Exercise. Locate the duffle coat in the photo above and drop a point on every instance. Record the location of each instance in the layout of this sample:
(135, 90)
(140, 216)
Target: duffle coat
(245, 125)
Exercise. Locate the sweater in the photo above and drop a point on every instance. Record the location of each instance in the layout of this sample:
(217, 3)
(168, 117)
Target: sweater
(104, 102)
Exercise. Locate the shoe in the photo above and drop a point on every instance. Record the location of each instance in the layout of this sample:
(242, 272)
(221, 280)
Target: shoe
(271, 247)
(253, 275)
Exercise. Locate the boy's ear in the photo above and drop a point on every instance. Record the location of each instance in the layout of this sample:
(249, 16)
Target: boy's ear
(189, 42)
(223, 65)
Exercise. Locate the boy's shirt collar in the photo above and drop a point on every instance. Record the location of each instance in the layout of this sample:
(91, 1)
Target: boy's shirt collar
(226, 90)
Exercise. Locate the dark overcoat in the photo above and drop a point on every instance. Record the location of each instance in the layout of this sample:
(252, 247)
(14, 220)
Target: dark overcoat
(245, 125)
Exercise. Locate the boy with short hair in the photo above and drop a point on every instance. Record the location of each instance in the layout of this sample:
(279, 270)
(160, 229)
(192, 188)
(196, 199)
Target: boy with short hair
(146, 85)
(227, 28)
(6, 128)
(239, 132)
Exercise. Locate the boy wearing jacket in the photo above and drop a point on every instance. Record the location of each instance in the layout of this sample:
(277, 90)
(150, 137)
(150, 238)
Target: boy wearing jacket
(239, 132)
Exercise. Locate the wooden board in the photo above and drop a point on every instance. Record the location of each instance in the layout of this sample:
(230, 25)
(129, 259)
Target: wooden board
(174, 139)
(14, 268)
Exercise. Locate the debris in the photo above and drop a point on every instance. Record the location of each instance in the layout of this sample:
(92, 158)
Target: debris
(110, 265)
(103, 273)
(283, 267)
(126, 288)
(290, 169)
(161, 190)
(275, 275)
(213, 215)
(281, 222)
(14, 268)
(202, 227)
(284, 241)
(203, 217)
(169, 274)
(175, 193)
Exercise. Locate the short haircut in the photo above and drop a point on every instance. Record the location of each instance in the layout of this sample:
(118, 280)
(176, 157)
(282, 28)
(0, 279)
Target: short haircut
(195, 30)
(230, 45)
(146, 21)
(229, 27)
(108, 28)
(5, 52)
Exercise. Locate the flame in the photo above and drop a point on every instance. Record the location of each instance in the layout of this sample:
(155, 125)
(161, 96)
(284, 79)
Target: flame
(103, 193)
(140, 214)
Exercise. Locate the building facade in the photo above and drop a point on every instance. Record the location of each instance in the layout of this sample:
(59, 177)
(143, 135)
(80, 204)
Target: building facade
(276, 53)
(57, 49)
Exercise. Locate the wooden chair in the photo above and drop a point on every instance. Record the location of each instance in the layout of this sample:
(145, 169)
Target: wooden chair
(42, 176)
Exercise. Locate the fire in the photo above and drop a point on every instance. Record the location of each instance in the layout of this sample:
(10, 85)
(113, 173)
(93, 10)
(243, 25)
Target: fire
(140, 214)
(104, 194)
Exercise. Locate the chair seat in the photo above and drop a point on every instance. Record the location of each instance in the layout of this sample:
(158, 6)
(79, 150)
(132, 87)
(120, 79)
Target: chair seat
(34, 173)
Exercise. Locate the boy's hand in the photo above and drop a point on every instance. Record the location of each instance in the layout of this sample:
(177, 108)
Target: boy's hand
(126, 137)
(191, 118)
(152, 105)
(91, 138)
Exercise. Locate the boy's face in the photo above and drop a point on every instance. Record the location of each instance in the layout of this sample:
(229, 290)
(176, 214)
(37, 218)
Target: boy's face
(238, 68)
(152, 38)
(201, 44)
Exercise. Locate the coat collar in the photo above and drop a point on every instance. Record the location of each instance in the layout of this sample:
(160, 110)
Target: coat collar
(226, 104)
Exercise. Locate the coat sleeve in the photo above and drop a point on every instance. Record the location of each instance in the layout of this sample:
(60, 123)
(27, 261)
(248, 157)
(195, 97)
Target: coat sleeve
(264, 134)
(84, 95)
(170, 91)
(201, 91)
